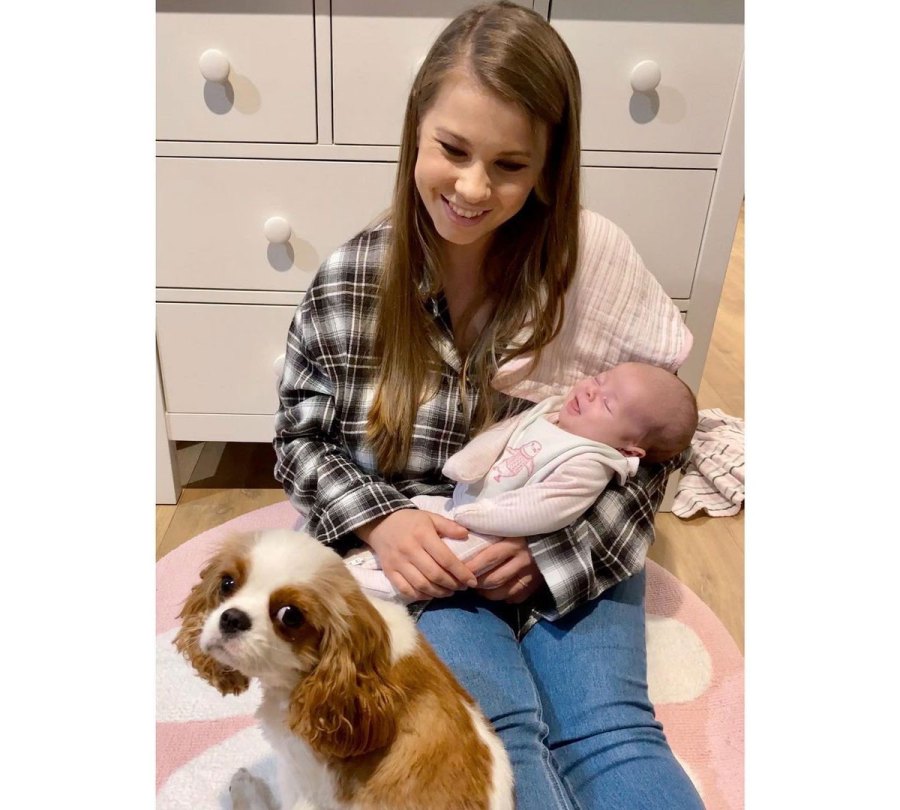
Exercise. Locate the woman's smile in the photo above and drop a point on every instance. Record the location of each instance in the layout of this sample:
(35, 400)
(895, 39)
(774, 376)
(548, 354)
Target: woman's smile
(464, 217)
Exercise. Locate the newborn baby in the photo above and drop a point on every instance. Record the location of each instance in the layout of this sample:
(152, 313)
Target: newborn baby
(538, 471)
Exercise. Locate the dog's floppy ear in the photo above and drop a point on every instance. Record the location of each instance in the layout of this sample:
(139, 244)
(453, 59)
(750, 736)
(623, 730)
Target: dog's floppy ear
(202, 600)
(347, 705)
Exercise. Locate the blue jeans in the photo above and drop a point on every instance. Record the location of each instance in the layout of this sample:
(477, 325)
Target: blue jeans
(569, 700)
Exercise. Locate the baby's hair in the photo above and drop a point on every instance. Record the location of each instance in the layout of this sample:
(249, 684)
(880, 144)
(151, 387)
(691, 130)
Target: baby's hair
(673, 433)
(672, 429)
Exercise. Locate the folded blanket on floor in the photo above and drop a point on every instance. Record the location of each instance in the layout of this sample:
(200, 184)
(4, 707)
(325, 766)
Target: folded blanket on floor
(714, 480)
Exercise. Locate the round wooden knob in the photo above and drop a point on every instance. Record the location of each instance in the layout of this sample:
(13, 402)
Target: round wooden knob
(277, 230)
(214, 66)
(645, 76)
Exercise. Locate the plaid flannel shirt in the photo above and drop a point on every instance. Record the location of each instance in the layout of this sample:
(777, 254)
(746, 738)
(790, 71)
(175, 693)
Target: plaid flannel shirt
(329, 473)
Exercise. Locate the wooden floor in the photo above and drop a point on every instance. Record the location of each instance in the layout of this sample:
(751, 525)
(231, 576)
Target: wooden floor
(707, 554)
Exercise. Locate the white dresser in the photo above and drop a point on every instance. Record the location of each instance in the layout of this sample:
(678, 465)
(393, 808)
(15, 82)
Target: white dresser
(277, 130)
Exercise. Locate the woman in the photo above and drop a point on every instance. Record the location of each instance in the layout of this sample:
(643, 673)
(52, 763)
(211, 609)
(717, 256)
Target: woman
(388, 372)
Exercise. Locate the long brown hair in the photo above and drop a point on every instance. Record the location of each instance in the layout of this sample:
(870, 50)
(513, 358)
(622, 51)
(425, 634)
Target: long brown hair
(515, 54)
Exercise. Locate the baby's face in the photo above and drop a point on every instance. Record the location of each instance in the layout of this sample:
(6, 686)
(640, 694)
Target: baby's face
(612, 407)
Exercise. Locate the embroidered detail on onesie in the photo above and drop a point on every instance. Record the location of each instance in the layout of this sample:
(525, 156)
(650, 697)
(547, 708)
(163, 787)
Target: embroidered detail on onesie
(519, 458)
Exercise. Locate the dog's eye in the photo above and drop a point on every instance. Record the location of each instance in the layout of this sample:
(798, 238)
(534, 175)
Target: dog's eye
(290, 616)
(227, 585)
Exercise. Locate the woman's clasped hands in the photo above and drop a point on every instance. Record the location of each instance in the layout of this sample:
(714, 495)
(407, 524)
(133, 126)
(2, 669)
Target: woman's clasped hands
(421, 566)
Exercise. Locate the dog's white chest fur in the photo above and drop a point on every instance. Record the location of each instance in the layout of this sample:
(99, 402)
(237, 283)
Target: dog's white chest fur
(300, 773)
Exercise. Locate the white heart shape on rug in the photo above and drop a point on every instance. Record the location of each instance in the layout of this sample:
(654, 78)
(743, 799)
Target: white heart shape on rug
(182, 695)
(679, 668)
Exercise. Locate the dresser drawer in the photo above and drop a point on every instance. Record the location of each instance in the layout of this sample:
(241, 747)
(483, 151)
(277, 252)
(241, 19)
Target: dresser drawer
(221, 358)
(266, 48)
(663, 211)
(212, 214)
(698, 48)
(376, 49)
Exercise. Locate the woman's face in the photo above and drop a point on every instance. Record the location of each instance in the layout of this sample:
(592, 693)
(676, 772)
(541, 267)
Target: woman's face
(478, 160)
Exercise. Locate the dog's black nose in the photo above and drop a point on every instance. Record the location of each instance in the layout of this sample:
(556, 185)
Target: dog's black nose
(233, 621)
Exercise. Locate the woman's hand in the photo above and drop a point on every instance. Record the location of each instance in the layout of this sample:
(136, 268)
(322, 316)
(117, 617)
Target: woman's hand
(506, 571)
(413, 556)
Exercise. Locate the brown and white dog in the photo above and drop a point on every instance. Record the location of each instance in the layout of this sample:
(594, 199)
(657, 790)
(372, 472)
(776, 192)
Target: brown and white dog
(360, 711)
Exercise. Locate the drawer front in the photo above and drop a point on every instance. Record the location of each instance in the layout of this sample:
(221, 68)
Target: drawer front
(697, 46)
(267, 49)
(663, 211)
(221, 358)
(212, 214)
(376, 49)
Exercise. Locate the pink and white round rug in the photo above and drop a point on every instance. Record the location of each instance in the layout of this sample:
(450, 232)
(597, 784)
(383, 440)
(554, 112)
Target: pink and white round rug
(695, 673)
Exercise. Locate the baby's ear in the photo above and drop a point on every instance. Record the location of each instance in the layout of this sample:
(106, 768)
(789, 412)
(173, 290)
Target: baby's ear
(633, 451)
